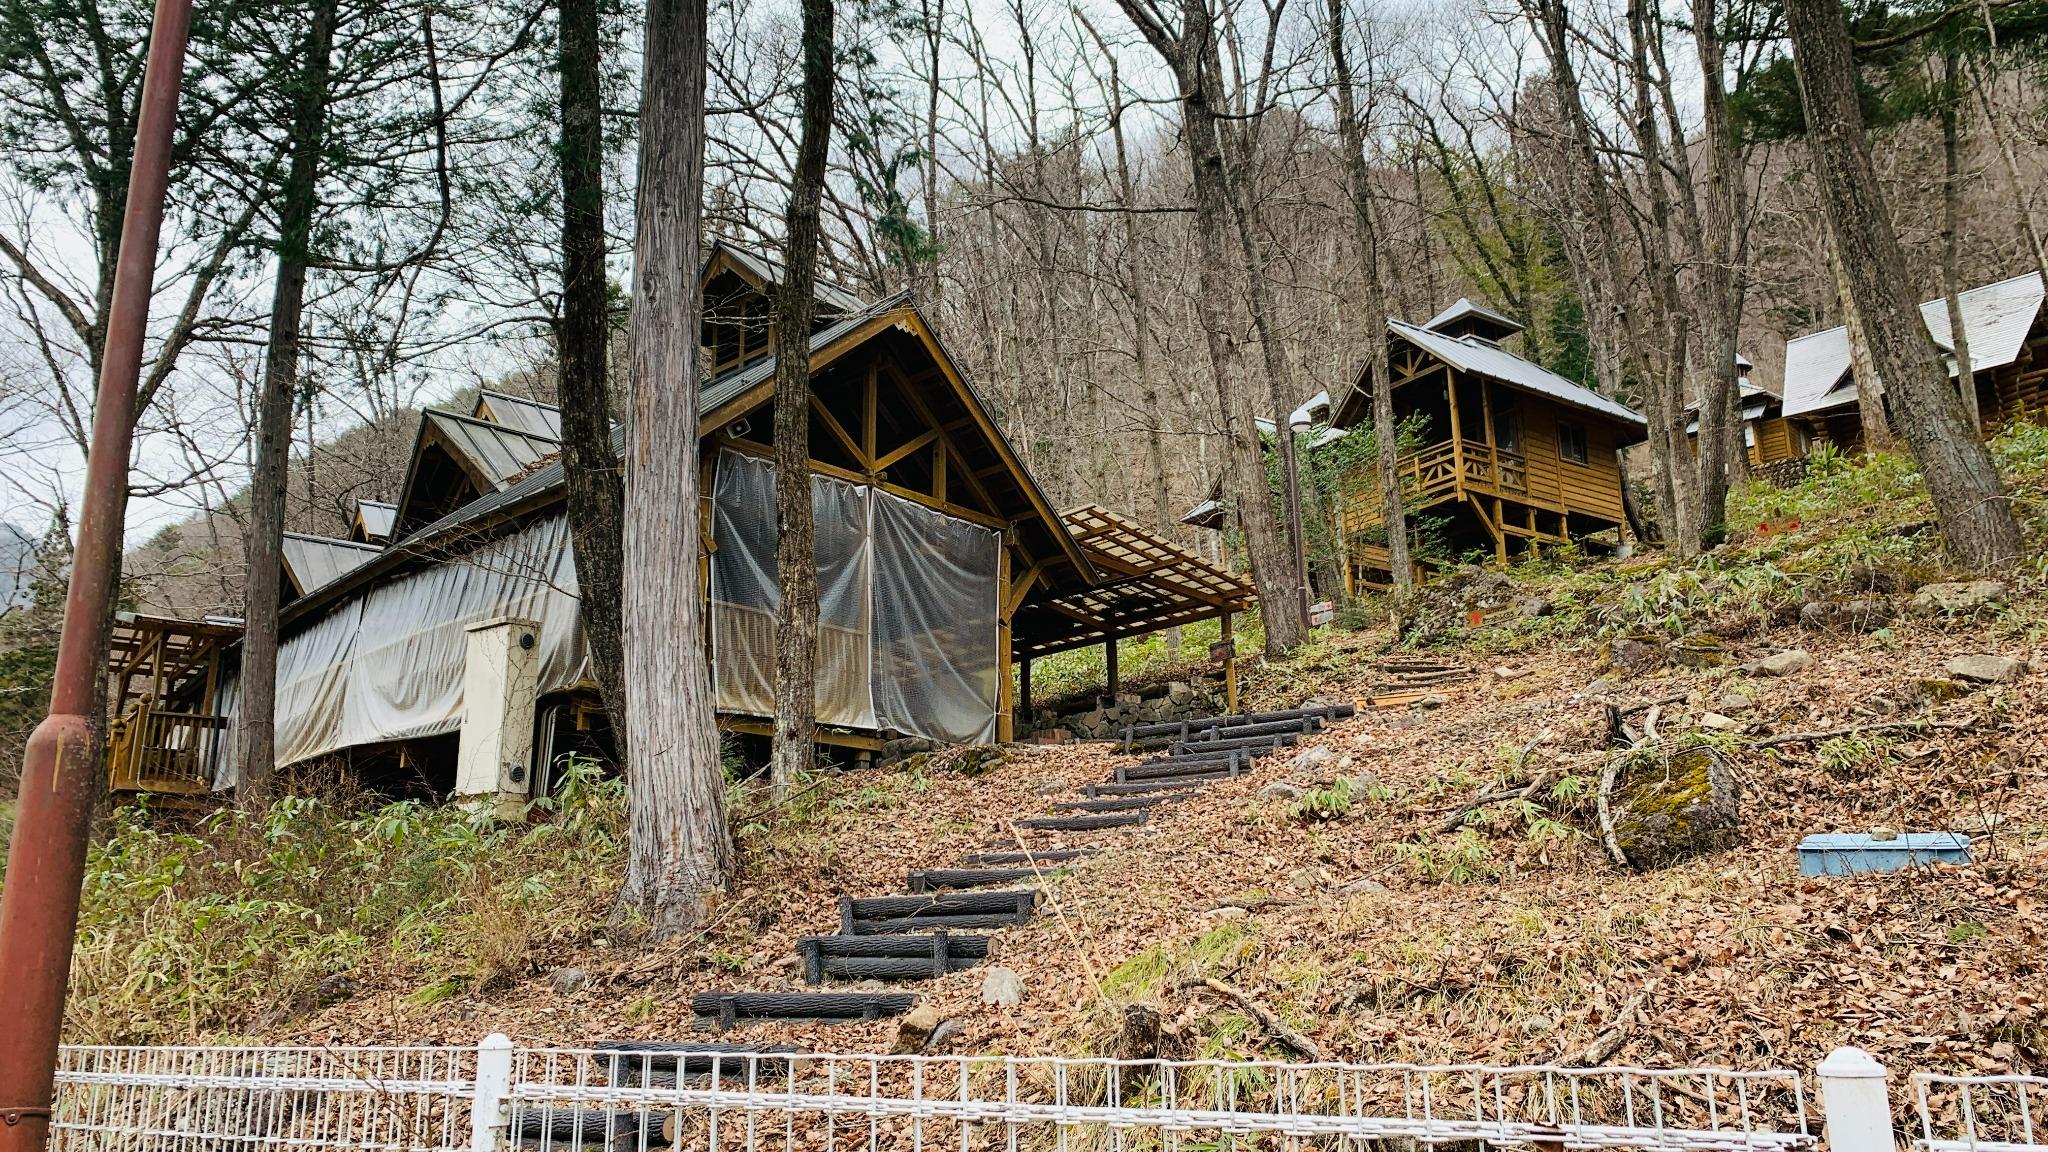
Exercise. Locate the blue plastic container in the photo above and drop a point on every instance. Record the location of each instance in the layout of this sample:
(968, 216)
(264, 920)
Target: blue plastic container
(1851, 854)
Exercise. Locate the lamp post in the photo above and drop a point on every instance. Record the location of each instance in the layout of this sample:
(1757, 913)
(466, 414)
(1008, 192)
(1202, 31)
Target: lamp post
(61, 766)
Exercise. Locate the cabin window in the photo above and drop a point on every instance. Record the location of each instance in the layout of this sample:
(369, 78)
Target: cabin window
(1571, 443)
(1507, 424)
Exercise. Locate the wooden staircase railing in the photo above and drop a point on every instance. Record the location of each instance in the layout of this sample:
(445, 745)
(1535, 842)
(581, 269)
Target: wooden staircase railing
(153, 750)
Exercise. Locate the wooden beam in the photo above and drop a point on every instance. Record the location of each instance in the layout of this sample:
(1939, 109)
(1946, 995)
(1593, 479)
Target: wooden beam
(1022, 588)
(1006, 720)
(895, 454)
(822, 468)
(838, 430)
(1109, 663)
(867, 415)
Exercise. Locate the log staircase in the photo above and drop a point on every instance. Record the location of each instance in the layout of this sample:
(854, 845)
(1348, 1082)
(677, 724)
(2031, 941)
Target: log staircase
(941, 925)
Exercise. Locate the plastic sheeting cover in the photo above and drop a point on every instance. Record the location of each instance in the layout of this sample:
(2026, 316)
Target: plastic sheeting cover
(907, 637)
(389, 664)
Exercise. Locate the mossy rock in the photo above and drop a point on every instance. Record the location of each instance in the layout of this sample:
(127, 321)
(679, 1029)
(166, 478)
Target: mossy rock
(1637, 654)
(978, 760)
(1699, 650)
(1672, 808)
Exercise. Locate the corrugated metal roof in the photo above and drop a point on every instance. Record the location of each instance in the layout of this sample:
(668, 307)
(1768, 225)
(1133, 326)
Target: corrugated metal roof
(1465, 308)
(529, 416)
(1997, 318)
(769, 271)
(376, 518)
(501, 453)
(1496, 363)
(316, 561)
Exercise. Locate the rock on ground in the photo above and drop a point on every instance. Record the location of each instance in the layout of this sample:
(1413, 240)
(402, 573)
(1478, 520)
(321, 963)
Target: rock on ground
(1784, 663)
(1957, 598)
(1002, 988)
(1984, 668)
(1669, 809)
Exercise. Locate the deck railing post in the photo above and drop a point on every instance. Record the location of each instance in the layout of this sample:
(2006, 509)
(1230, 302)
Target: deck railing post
(1855, 1102)
(490, 1111)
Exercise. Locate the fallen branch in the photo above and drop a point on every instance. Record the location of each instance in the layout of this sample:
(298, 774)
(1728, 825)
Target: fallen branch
(1451, 823)
(1604, 803)
(1609, 1041)
(1273, 1025)
(1857, 729)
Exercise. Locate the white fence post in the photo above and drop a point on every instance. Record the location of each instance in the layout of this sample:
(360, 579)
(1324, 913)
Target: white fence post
(489, 1108)
(1857, 1105)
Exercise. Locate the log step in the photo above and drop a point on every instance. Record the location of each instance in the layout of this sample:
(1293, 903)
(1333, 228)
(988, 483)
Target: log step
(874, 915)
(1063, 854)
(1255, 746)
(1118, 804)
(655, 1062)
(589, 1127)
(723, 1010)
(940, 879)
(1083, 823)
(1224, 736)
(888, 957)
(1171, 785)
(1190, 727)
(1176, 767)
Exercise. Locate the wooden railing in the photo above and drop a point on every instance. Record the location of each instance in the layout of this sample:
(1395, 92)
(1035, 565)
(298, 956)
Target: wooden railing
(152, 750)
(1437, 471)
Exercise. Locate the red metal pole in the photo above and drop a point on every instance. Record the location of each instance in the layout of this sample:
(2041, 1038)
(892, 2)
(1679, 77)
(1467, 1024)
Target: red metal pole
(61, 768)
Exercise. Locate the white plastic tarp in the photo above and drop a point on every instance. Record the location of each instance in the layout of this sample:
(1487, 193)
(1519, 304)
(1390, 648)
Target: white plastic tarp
(388, 664)
(746, 596)
(907, 637)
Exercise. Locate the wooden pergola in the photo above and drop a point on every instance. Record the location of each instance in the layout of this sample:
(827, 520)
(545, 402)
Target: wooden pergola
(1149, 584)
(164, 735)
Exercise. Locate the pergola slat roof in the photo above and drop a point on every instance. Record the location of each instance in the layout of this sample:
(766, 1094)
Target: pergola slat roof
(1149, 583)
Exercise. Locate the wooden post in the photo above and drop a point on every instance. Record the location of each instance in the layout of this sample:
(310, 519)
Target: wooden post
(1229, 669)
(1006, 720)
(1457, 433)
(1109, 659)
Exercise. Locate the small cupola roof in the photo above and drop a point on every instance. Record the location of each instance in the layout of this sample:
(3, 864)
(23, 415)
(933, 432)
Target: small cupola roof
(1468, 319)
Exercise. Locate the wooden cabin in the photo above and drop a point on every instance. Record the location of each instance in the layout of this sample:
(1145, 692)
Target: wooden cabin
(941, 565)
(1767, 436)
(1513, 455)
(2008, 338)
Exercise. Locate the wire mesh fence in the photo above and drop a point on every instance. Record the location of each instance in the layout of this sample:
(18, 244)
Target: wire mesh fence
(1980, 1113)
(134, 1099)
(703, 1098)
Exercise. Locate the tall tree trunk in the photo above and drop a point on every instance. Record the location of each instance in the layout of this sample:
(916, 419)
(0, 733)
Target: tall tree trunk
(1951, 209)
(1593, 193)
(1870, 416)
(679, 852)
(1723, 456)
(2029, 225)
(1193, 54)
(1386, 441)
(796, 563)
(596, 488)
(1969, 496)
(1281, 391)
(257, 739)
(1667, 414)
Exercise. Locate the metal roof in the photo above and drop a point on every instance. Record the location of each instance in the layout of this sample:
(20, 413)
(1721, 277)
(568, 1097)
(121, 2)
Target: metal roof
(769, 272)
(1483, 359)
(1466, 309)
(501, 453)
(316, 561)
(529, 416)
(538, 484)
(376, 518)
(1997, 318)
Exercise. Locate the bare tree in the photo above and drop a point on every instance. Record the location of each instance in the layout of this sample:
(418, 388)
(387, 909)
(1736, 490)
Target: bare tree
(1968, 494)
(796, 648)
(679, 852)
(1190, 50)
(1358, 180)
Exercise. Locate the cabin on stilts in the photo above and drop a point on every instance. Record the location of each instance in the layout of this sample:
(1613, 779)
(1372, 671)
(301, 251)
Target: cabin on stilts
(2007, 335)
(454, 653)
(1512, 455)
